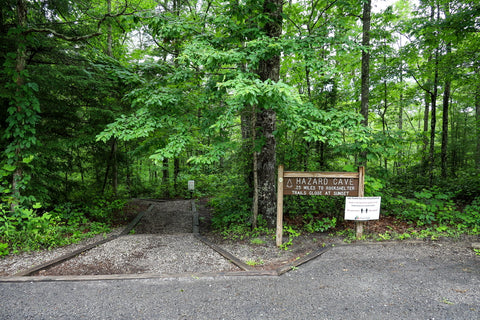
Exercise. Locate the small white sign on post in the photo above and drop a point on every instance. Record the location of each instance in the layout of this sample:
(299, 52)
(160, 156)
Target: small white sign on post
(362, 208)
(191, 185)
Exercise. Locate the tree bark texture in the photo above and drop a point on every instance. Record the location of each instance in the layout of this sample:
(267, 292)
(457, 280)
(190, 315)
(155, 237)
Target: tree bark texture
(443, 156)
(114, 142)
(400, 107)
(166, 177)
(268, 69)
(365, 85)
(365, 77)
(433, 120)
(176, 172)
(426, 116)
(247, 125)
(446, 101)
(477, 121)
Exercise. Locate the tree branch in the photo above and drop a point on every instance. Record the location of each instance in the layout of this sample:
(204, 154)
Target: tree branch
(418, 83)
(84, 37)
(62, 36)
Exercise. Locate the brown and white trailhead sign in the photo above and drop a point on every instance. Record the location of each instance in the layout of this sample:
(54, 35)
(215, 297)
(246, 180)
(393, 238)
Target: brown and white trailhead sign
(347, 184)
(331, 184)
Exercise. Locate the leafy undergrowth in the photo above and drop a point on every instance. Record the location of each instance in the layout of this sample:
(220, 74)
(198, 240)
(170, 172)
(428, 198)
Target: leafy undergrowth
(391, 228)
(387, 228)
(30, 229)
(426, 214)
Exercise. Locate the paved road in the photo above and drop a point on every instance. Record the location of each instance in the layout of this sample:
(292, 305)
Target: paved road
(391, 281)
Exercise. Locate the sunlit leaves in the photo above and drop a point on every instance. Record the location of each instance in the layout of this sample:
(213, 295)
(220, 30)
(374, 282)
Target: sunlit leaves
(138, 125)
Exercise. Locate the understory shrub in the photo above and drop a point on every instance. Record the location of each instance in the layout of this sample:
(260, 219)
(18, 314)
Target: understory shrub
(316, 206)
(104, 210)
(232, 209)
(471, 214)
(28, 229)
(432, 206)
(465, 186)
(318, 225)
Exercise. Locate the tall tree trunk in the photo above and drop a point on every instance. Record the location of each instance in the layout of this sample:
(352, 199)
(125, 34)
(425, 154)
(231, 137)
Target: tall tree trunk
(110, 163)
(128, 170)
(477, 121)
(166, 177)
(247, 125)
(384, 113)
(114, 167)
(255, 171)
(365, 78)
(176, 172)
(398, 164)
(454, 145)
(433, 121)
(114, 142)
(426, 116)
(446, 100)
(109, 31)
(400, 107)
(307, 78)
(21, 62)
(385, 107)
(321, 147)
(433, 102)
(268, 69)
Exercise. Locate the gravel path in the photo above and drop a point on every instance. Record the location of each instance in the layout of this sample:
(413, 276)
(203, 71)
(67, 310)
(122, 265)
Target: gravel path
(145, 253)
(162, 243)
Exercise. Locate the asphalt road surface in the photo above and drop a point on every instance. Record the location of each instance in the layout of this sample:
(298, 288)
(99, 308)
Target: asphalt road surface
(380, 281)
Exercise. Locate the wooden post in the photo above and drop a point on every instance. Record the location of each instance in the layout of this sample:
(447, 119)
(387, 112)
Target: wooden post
(361, 193)
(279, 236)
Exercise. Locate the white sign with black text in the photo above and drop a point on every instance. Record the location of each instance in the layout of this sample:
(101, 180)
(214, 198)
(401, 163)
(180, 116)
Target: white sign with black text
(362, 208)
(191, 185)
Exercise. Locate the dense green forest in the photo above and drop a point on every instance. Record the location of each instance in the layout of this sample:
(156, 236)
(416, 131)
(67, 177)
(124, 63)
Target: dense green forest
(106, 100)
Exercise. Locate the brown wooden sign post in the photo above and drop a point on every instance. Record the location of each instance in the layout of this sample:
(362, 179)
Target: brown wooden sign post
(347, 184)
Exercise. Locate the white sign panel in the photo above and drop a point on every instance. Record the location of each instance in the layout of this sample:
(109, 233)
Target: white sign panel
(362, 208)
(191, 185)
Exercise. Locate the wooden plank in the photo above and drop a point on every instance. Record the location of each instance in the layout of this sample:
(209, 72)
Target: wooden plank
(321, 186)
(361, 193)
(299, 174)
(135, 221)
(150, 200)
(196, 222)
(279, 233)
(227, 255)
(361, 185)
(138, 276)
(305, 259)
(60, 259)
(74, 253)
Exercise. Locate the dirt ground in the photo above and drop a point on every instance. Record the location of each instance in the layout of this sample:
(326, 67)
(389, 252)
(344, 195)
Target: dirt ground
(163, 243)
